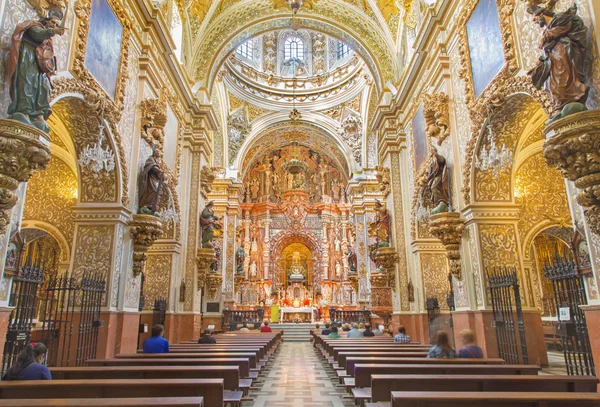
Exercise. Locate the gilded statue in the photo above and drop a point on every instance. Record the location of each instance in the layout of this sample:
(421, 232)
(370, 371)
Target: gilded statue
(380, 229)
(438, 186)
(151, 184)
(207, 224)
(351, 256)
(31, 63)
(564, 66)
(240, 256)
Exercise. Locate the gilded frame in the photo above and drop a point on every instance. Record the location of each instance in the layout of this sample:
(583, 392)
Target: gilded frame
(83, 9)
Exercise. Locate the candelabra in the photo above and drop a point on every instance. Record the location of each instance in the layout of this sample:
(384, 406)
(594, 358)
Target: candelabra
(96, 157)
(494, 158)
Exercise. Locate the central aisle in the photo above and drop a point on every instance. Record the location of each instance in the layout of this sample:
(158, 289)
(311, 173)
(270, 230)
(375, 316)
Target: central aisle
(297, 379)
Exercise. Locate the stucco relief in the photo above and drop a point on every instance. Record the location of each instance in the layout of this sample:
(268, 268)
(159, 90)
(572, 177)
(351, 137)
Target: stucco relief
(127, 124)
(117, 271)
(434, 269)
(51, 195)
(192, 237)
(540, 190)
(158, 278)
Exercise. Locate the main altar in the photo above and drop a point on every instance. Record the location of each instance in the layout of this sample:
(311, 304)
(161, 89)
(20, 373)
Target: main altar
(300, 314)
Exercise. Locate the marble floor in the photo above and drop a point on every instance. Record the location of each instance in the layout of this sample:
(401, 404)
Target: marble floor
(298, 379)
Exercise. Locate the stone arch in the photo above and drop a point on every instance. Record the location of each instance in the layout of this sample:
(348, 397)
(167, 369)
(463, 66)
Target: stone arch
(81, 121)
(514, 87)
(335, 18)
(266, 129)
(283, 239)
(72, 101)
(65, 247)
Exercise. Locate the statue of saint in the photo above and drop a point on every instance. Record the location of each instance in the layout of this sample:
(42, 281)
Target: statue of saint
(31, 62)
(240, 256)
(254, 246)
(565, 63)
(253, 268)
(214, 267)
(338, 244)
(338, 269)
(151, 184)
(437, 183)
(382, 225)
(351, 256)
(207, 223)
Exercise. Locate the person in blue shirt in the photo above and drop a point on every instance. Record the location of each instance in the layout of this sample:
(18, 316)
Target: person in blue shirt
(470, 350)
(156, 344)
(29, 364)
(326, 331)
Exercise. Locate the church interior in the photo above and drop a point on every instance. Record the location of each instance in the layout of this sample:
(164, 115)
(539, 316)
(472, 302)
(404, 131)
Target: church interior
(271, 173)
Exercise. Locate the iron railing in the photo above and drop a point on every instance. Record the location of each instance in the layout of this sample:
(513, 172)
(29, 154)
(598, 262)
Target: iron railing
(349, 316)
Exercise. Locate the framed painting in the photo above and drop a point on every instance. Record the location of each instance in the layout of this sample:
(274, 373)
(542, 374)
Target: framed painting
(486, 48)
(419, 138)
(103, 51)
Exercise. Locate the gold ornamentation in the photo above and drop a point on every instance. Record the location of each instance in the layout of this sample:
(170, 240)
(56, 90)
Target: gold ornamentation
(206, 279)
(383, 177)
(154, 119)
(157, 277)
(23, 151)
(386, 258)
(145, 230)
(192, 237)
(434, 269)
(437, 117)
(83, 9)
(573, 146)
(42, 6)
(449, 227)
(207, 176)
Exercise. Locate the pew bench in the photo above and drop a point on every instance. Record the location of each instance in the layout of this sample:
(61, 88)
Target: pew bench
(493, 399)
(211, 390)
(212, 355)
(352, 361)
(118, 402)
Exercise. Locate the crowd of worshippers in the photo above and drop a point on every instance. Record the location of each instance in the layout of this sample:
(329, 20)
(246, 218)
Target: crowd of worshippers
(441, 349)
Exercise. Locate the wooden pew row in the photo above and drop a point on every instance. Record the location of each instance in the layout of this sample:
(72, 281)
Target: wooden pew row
(383, 385)
(363, 372)
(352, 361)
(215, 355)
(343, 356)
(494, 399)
(242, 364)
(261, 352)
(87, 402)
(211, 390)
(229, 374)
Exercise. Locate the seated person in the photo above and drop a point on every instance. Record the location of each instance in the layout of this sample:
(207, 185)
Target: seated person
(29, 364)
(266, 327)
(402, 337)
(326, 331)
(442, 348)
(361, 326)
(354, 332)
(378, 331)
(207, 337)
(346, 327)
(367, 331)
(469, 350)
(156, 344)
(334, 333)
(244, 328)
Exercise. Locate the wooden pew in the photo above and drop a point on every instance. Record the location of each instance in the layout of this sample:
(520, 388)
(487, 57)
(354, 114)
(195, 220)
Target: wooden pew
(363, 372)
(87, 402)
(212, 355)
(342, 356)
(383, 385)
(352, 361)
(198, 348)
(211, 390)
(229, 374)
(242, 364)
(493, 399)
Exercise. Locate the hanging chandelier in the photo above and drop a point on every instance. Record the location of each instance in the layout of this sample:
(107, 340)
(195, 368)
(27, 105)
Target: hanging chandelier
(295, 5)
(170, 214)
(495, 158)
(96, 157)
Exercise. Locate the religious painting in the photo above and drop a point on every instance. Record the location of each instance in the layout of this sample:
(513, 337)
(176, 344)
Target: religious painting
(485, 44)
(419, 139)
(103, 52)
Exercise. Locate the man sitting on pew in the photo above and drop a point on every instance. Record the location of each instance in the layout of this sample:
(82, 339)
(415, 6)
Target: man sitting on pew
(326, 331)
(354, 332)
(156, 344)
(207, 337)
(367, 332)
(402, 337)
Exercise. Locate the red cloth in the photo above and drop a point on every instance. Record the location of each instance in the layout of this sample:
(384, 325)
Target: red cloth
(266, 329)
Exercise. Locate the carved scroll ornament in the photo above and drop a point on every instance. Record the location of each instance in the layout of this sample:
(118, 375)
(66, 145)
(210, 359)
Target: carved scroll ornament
(437, 117)
(145, 230)
(449, 227)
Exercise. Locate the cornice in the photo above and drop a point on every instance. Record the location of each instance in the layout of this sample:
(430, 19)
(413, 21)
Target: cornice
(427, 245)
(165, 247)
(101, 213)
(392, 142)
(492, 212)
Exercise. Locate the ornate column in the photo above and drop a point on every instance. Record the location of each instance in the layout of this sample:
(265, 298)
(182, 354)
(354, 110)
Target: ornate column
(267, 245)
(23, 150)
(573, 146)
(383, 282)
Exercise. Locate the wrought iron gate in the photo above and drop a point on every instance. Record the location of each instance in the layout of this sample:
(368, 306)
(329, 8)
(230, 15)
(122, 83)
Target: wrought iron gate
(503, 287)
(569, 294)
(67, 309)
(23, 298)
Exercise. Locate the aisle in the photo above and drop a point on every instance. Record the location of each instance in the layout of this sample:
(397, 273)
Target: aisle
(298, 379)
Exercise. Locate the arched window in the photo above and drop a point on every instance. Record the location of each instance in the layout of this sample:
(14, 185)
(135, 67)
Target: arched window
(294, 48)
(246, 49)
(342, 50)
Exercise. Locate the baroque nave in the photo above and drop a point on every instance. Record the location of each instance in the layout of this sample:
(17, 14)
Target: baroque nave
(422, 169)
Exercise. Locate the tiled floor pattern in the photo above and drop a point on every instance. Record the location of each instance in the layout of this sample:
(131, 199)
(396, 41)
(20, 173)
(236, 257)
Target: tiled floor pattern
(298, 379)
